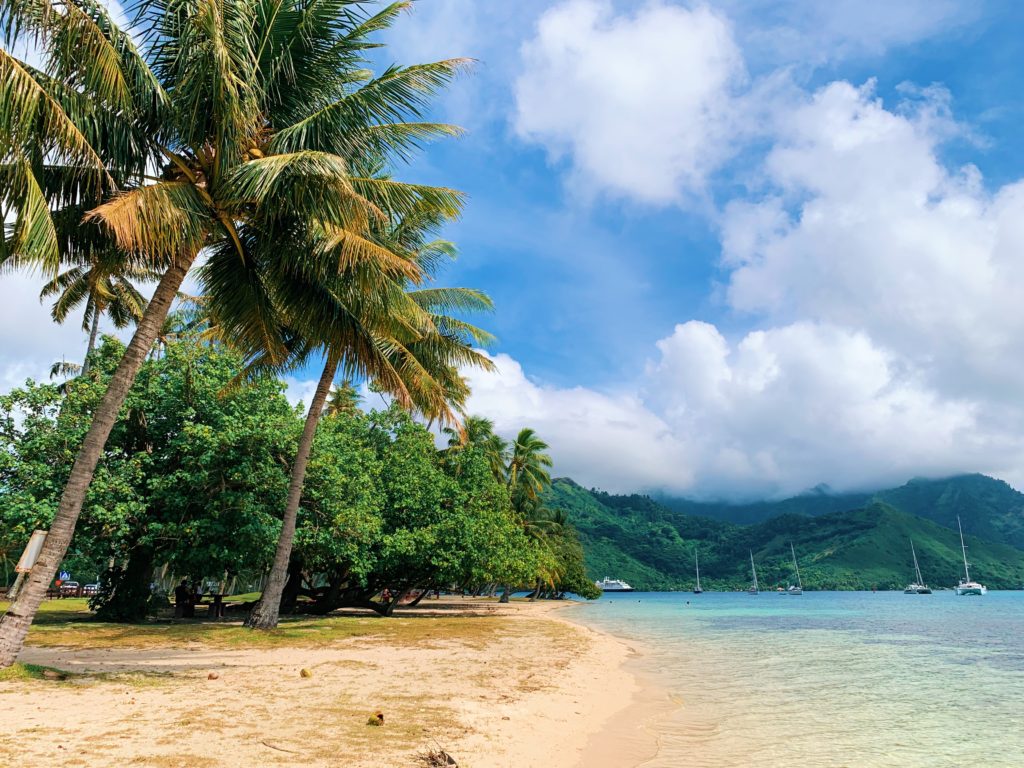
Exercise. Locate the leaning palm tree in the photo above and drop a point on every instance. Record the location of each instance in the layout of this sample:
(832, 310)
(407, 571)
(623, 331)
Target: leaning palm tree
(225, 126)
(423, 348)
(105, 284)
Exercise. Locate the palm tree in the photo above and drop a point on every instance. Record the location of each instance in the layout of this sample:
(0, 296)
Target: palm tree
(251, 112)
(424, 348)
(344, 399)
(105, 285)
(527, 477)
(527, 474)
(479, 432)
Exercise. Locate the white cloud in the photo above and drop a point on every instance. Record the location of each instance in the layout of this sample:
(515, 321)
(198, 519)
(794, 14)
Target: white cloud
(815, 33)
(610, 441)
(868, 230)
(641, 103)
(884, 288)
(787, 408)
(776, 413)
(30, 342)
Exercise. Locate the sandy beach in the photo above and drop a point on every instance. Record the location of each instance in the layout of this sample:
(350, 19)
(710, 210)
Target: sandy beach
(494, 686)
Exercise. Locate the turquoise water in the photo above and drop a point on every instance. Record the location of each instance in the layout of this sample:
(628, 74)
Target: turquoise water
(826, 679)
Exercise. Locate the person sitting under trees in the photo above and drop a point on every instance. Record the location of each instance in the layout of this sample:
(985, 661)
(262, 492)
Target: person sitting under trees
(184, 607)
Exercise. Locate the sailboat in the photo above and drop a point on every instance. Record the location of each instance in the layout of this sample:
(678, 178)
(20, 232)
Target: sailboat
(966, 586)
(753, 590)
(799, 588)
(918, 587)
(696, 561)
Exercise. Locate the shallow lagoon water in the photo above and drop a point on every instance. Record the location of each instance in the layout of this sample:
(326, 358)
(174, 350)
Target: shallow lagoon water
(856, 679)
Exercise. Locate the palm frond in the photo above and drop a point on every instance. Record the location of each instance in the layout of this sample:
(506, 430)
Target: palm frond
(161, 220)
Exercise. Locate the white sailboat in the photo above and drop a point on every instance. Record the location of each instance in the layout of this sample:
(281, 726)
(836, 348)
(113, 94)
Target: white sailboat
(753, 590)
(798, 589)
(966, 586)
(918, 587)
(696, 562)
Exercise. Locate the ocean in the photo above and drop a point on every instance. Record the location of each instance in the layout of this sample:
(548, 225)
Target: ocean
(852, 679)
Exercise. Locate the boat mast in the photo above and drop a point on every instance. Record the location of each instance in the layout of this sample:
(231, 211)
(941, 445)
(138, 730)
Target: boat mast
(753, 569)
(696, 562)
(917, 569)
(963, 547)
(797, 567)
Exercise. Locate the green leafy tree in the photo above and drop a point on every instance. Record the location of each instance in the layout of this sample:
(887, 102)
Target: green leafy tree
(252, 112)
(424, 350)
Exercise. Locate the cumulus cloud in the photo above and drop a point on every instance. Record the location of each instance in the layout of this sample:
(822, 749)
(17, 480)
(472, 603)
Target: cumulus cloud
(882, 287)
(640, 103)
(611, 441)
(883, 238)
(774, 414)
(30, 342)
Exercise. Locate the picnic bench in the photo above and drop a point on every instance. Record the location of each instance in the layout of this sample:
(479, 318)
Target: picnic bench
(214, 608)
(51, 593)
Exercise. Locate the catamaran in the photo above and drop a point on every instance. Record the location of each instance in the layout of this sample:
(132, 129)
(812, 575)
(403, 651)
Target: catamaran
(753, 590)
(918, 587)
(798, 589)
(696, 561)
(966, 586)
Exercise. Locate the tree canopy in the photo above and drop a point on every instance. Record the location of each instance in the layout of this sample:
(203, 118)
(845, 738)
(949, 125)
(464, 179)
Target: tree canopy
(194, 476)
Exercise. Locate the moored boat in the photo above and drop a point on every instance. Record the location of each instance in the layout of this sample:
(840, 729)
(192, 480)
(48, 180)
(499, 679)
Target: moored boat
(918, 587)
(612, 585)
(753, 590)
(798, 588)
(966, 586)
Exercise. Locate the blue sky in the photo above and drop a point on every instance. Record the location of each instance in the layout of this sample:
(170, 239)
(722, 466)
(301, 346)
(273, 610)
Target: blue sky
(737, 248)
(584, 287)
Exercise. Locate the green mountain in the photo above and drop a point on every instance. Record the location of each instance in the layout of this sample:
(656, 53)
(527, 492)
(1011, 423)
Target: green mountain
(652, 546)
(989, 508)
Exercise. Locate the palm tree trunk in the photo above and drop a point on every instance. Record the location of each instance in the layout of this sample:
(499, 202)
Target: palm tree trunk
(264, 614)
(93, 331)
(15, 623)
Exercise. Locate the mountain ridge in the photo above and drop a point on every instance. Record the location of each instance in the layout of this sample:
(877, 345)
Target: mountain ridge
(639, 539)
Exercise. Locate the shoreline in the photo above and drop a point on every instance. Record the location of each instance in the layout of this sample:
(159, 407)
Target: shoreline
(496, 686)
(629, 738)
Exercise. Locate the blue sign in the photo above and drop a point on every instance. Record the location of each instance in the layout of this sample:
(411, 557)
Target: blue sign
(64, 575)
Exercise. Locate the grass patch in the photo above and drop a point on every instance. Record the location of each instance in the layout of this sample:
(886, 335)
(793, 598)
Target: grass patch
(68, 623)
(24, 672)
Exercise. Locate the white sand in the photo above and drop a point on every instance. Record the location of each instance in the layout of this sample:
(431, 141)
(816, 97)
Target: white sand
(528, 689)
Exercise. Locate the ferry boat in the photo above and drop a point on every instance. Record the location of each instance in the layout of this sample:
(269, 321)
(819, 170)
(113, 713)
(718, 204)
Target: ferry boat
(966, 586)
(918, 587)
(612, 585)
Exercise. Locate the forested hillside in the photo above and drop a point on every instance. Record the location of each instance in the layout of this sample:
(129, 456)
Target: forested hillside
(651, 546)
(989, 508)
